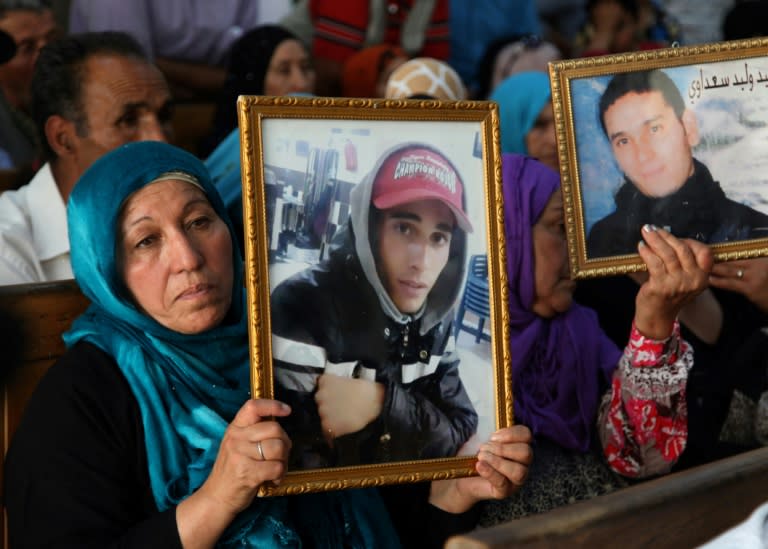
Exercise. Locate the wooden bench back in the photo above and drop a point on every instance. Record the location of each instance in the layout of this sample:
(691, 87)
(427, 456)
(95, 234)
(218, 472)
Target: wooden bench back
(676, 511)
(192, 121)
(43, 312)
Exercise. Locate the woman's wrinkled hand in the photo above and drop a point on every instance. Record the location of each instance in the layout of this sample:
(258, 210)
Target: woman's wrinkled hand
(254, 450)
(678, 271)
(502, 467)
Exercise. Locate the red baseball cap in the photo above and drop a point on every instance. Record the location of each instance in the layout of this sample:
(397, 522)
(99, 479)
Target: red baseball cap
(414, 173)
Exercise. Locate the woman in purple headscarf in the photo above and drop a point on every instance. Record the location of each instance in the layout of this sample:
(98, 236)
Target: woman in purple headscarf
(597, 414)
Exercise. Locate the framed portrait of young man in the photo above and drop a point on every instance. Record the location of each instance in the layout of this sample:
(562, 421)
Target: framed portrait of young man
(374, 247)
(674, 138)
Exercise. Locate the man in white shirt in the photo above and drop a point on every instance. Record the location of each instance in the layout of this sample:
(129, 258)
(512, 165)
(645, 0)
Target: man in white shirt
(90, 94)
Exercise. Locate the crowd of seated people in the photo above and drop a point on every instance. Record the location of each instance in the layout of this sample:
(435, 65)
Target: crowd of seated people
(76, 90)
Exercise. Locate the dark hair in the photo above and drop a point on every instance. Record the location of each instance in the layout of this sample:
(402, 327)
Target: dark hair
(57, 83)
(746, 19)
(640, 82)
(249, 61)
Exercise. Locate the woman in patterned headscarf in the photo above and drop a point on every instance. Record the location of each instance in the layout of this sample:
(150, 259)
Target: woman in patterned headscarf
(425, 78)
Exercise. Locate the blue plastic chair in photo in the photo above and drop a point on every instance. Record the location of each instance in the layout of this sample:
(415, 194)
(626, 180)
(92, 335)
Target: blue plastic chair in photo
(475, 299)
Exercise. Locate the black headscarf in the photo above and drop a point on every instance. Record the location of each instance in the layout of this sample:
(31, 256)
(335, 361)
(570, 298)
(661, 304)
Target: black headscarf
(248, 63)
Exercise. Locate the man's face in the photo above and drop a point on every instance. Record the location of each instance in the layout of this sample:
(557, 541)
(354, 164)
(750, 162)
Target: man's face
(31, 30)
(414, 241)
(651, 144)
(124, 99)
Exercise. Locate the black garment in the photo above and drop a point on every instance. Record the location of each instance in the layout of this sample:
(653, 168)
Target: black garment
(12, 344)
(419, 524)
(333, 307)
(557, 476)
(699, 209)
(717, 370)
(76, 474)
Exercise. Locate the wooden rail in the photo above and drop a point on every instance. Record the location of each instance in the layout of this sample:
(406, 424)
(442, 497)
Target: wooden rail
(676, 511)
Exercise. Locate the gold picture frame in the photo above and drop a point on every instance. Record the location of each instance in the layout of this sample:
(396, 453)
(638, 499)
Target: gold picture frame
(725, 86)
(302, 159)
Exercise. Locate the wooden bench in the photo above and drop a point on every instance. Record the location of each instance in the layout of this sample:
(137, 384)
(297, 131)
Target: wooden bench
(676, 511)
(43, 312)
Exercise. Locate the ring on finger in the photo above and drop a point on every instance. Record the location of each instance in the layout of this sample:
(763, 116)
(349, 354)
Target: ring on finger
(740, 274)
(261, 450)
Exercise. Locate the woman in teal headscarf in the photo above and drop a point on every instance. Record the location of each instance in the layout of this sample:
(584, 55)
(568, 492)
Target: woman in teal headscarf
(526, 118)
(144, 434)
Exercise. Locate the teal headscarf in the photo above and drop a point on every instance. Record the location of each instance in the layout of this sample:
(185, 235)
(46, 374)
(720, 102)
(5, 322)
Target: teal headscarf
(189, 387)
(521, 98)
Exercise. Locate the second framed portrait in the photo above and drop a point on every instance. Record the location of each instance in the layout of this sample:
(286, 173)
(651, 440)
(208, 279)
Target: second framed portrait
(374, 239)
(674, 138)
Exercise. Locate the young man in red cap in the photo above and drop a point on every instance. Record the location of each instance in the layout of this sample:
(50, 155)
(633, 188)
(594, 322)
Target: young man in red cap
(362, 342)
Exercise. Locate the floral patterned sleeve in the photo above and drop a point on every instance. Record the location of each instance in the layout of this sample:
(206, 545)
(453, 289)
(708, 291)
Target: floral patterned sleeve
(643, 418)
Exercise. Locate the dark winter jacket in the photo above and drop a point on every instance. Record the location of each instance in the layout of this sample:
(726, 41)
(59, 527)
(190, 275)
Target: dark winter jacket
(336, 317)
(699, 210)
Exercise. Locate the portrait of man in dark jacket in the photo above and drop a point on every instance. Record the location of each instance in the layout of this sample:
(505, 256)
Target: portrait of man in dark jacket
(652, 135)
(362, 343)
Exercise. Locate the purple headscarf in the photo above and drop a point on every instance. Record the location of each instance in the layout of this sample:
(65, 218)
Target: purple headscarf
(560, 366)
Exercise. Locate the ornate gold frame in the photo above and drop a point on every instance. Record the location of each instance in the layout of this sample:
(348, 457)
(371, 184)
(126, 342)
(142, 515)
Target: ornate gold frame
(749, 56)
(257, 111)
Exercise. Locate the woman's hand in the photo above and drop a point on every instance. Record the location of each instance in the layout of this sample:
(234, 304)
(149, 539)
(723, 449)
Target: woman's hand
(745, 276)
(254, 450)
(678, 270)
(346, 405)
(502, 466)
